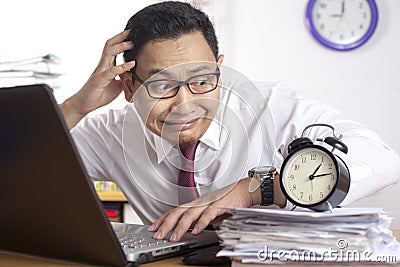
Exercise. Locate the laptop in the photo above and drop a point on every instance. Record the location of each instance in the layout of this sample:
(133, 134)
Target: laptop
(48, 204)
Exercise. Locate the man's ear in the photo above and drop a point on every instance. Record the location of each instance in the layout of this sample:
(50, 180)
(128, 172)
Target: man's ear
(127, 84)
(220, 59)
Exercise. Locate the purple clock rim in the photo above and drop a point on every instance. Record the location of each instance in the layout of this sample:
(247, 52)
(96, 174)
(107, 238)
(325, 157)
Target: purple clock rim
(340, 47)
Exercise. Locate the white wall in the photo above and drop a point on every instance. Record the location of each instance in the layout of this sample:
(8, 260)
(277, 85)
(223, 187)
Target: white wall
(268, 40)
(75, 31)
(265, 39)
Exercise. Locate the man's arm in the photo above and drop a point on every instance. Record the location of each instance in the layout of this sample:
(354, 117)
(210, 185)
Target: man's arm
(101, 87)
(71, 115)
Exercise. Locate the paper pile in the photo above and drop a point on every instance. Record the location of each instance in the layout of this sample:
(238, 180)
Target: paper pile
(45, 69)
(348, 235)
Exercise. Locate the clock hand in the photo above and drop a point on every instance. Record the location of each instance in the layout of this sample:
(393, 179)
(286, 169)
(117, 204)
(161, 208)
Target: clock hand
(319, 175)
(342, 9)
(312, 175)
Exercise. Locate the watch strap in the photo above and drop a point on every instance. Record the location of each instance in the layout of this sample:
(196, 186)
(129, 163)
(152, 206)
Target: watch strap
(265, 175)
(267, 188)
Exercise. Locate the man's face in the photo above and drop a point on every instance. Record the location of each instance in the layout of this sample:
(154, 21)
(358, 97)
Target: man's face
(185, 117)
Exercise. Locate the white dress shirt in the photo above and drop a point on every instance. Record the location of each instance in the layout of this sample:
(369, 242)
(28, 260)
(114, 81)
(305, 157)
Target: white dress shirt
(254, 125)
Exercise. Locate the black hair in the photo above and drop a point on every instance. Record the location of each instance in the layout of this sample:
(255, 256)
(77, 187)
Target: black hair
(167, 20)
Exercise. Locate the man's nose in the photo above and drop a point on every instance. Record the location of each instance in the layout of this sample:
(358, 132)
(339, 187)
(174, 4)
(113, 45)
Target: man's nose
(182, 103)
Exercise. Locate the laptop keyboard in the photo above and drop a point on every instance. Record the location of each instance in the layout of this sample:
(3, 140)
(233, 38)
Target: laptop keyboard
(134, 241)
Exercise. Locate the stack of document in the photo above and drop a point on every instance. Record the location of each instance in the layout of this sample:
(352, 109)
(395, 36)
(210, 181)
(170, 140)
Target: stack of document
(44, 69)
(347, 235)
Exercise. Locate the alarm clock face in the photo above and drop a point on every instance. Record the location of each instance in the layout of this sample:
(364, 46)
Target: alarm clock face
(342, 24)
(309, 176)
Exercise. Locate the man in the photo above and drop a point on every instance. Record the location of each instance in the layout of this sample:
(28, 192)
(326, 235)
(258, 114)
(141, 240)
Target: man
(174, 76)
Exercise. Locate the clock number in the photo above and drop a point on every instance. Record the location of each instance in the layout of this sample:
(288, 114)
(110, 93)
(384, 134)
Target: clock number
(291, 177)
(329, 187)
(301, 194)
(361, 26)
(321, 195)
(303, 160)
(310, 197)
(365, 15)
(296, 167)
(322, 5)
(313, 156)
(361, 6)
(294, 187)
(322, 27)
(332, 178)
(330, 166)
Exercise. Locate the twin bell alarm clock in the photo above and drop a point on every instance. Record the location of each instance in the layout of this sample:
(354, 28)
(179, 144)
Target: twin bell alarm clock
(312, 176)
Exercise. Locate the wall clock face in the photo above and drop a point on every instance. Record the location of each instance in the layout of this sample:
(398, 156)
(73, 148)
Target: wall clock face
(342, 24)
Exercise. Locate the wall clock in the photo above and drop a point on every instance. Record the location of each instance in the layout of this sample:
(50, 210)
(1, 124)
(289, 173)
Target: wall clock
(342, 24)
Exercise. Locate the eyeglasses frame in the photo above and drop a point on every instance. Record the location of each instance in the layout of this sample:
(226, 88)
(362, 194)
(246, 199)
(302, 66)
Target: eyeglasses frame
(180, 83)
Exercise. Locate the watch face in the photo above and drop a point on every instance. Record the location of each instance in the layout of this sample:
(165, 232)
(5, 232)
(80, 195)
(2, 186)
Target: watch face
(342, 24)
(261, 169)
(309, 176)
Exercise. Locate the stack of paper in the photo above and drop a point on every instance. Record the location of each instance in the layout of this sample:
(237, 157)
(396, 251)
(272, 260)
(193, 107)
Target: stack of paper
(45, 69)
(347, 235)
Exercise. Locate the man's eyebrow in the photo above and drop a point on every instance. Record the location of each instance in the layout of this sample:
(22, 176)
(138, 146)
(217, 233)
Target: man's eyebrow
(167, 73)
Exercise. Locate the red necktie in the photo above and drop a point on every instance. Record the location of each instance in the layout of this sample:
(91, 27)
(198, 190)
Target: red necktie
(186, 185)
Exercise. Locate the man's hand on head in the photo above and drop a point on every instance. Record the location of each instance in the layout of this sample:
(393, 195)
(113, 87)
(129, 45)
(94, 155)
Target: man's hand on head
(202, 211)
(102, 86)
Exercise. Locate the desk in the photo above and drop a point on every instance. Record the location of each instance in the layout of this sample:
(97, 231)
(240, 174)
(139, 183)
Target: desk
(18, 260)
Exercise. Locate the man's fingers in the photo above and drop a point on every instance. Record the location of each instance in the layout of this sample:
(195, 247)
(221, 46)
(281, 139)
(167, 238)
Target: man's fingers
(168, 222)
(154, 227)
(117, 48)
(206, 217)
(186, 220)
(110, 53)
(117, 70)
(112, 48)
(119, 38)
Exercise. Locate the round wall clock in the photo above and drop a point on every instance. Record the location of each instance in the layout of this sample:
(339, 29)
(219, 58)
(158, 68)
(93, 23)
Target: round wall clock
(342, 24)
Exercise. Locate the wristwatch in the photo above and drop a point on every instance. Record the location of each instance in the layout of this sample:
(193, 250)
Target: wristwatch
(265, 176)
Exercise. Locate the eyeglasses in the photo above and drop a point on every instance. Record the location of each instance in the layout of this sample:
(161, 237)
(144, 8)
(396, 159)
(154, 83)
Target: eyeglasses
(167, 88)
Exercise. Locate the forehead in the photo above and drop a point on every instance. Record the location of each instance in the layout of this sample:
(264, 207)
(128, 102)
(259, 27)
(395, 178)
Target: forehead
(162, 54)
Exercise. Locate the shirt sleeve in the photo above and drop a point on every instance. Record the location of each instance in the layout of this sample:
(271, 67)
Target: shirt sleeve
(94, 143)
(373, 165)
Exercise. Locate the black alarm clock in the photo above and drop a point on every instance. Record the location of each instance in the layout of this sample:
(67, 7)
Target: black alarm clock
(314, 177)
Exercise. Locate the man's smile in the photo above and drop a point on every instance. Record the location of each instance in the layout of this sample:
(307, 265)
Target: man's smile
(178, 125)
